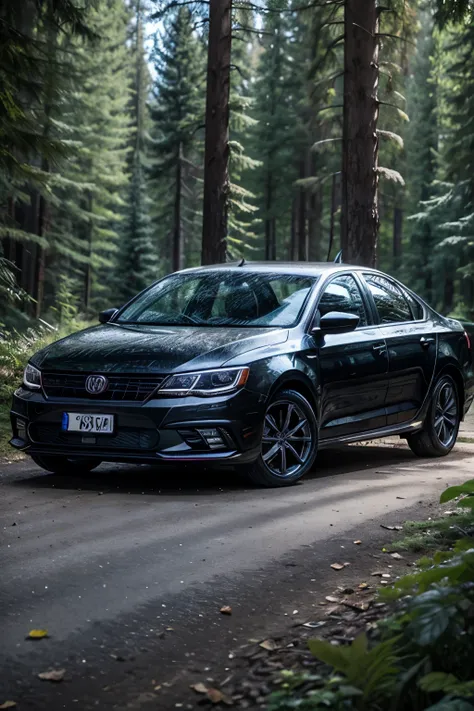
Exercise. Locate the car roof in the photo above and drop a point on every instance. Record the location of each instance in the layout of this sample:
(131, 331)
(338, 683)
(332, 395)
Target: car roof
(300, 268)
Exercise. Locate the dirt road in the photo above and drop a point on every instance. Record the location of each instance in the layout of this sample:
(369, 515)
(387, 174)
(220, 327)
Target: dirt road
(128, 569)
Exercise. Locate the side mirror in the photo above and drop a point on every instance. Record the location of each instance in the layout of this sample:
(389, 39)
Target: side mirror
(105, 316)
(337, 322)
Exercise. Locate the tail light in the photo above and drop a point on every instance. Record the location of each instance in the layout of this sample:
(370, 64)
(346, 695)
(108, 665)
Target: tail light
(468, 340)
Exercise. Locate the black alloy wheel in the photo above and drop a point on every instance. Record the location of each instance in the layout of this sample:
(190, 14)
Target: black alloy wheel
(289, 441)
(440, 431)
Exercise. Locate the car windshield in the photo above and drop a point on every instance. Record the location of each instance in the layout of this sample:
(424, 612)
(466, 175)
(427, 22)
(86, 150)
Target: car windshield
(221, 298)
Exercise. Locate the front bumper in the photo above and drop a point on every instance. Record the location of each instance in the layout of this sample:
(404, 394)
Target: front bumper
(160, 430)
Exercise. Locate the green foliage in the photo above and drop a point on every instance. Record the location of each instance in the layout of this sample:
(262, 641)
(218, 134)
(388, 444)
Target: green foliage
(177, 115)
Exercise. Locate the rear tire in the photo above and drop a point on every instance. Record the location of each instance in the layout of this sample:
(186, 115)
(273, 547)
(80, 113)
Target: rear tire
(289, 441)
(441, 426)
(64, 465)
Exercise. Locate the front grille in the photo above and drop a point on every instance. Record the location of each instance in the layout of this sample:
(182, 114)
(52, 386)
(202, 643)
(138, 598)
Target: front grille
(135, 388)
(127, 438)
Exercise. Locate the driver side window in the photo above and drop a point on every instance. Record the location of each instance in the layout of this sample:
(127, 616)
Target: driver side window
(343, 294)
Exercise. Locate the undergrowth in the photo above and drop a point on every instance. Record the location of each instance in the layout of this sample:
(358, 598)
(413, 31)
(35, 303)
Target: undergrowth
(15, 351)
(420, 658)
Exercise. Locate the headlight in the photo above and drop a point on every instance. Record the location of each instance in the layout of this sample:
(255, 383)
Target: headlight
(208, 382)
(32, 377)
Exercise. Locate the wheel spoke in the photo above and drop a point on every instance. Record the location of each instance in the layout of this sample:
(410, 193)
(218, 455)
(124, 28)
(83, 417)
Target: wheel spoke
(268, 456)
(289, 413)
(298, 439)
(451, 420)
(438, 420)
(283, 459)
(451, 404)
(297, 427)
(269, 418)
(294, 453)
(269, 438)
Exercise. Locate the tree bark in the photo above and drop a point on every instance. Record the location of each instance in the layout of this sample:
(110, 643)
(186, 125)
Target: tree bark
(216, 152)
(177, 238)
(270, 246)
(302, 253)
(359, 215)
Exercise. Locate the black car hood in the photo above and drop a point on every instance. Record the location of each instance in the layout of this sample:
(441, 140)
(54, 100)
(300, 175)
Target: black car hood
(120, 348)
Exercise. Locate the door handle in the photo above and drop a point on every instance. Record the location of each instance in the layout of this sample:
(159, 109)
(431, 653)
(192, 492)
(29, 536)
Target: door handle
(426, 341)
(379, 347)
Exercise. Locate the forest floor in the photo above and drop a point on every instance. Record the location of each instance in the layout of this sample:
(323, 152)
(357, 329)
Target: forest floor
(128, 571)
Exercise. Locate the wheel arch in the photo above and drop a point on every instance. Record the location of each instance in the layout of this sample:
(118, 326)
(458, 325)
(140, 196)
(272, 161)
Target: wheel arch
(296, 380)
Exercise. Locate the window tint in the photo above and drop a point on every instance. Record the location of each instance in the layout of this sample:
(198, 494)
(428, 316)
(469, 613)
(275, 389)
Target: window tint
(391, 304)
(416, 308)
(222, 298)
(343, 294)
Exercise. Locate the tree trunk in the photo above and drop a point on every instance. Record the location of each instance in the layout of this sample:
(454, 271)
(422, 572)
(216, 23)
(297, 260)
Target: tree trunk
(177, 247)
(359, 216)
(333, 214)
(293, 251)
(270, 246)
(302, 254)
(216, 152)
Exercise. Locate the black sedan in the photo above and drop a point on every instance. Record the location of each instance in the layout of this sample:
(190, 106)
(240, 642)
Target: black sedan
(255, 366)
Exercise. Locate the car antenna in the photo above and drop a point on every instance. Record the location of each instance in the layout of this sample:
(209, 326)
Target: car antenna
(241, 263)
(338, 259)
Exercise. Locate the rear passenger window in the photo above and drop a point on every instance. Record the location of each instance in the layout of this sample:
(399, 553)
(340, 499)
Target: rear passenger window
(392, 306)
(343, 294)
(416, 308)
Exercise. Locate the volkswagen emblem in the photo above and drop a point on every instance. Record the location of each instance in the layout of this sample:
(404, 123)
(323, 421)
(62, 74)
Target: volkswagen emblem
(96, 384)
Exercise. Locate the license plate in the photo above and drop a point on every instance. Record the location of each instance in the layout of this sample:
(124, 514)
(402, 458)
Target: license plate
(80, 422)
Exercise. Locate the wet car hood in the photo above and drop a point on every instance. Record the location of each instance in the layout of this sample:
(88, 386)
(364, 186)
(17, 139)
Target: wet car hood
(159, 349)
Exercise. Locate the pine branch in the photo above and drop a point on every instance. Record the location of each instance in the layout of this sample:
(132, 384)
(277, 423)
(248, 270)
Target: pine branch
(316, 145)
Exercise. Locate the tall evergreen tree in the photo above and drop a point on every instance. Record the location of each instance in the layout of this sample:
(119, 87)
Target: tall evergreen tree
(139, 250)
(216, 153)
(177, 117)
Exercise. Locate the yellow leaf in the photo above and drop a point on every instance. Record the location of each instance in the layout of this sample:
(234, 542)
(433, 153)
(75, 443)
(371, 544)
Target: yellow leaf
(52, 675)
(8, 705)
(269, 645)
(199, 688)
(226, 610)
(37, 634)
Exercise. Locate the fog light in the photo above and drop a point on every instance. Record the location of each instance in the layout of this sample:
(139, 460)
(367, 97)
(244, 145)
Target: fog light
(212, 437)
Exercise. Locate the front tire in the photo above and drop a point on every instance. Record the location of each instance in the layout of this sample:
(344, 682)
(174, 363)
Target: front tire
(64, 465)
(441, 427)
(289, 441)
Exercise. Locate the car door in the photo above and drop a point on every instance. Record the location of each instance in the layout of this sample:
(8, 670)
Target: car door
(411, 345)
(352, 366)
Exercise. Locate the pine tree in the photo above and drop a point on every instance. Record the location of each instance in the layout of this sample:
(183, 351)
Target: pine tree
(83, 235)
(177, 114)
(138, 258)
(272, 180)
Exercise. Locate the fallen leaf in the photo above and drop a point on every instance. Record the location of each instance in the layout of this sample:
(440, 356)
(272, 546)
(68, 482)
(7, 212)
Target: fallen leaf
(314, 625)
(37, 634)
(8, 705)
(157, 688)
(269, 644)
(391, 528)
(400, 497)
(170, 629)
(199, 688)
(337, 566)
(53, 675)
(377, 574)
(331, 598)
(397, 556)
(226, 610)
(357, 543)
(386, 575)
(217, 697)
(362, 586)
(359, 606)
